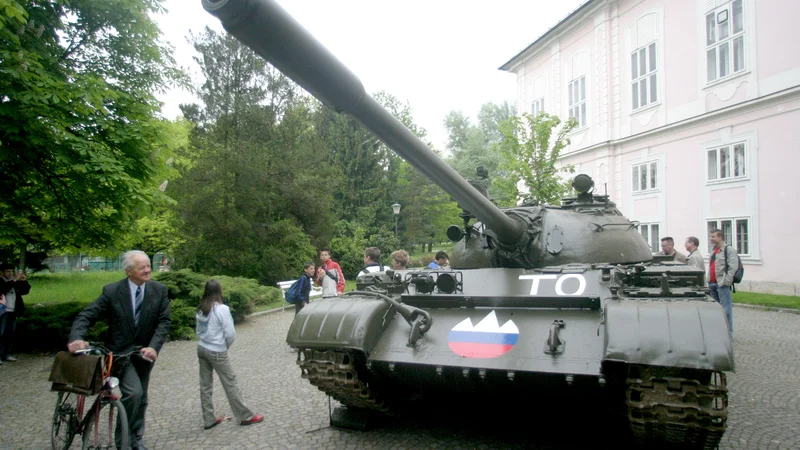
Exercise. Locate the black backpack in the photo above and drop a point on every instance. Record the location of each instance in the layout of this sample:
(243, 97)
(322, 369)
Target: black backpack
(737, 277)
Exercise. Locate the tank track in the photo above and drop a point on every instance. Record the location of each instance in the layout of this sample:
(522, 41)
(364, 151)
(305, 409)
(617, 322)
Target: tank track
(680, 411)
(335, 373)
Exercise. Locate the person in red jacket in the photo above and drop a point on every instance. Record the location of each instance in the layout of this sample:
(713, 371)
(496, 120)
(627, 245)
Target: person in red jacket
(329, 275)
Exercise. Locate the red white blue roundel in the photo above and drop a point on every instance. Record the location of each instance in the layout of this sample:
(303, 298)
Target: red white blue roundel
(487, 339)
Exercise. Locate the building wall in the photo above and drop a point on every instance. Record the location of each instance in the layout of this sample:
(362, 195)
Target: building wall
(689, 117)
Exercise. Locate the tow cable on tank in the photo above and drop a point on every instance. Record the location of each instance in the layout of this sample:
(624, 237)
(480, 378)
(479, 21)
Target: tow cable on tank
(419, 319)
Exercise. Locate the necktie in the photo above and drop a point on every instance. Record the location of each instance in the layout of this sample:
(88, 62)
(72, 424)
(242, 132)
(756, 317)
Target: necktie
(138, 305)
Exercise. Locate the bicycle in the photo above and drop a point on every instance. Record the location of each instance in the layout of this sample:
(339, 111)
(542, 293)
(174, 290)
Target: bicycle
(69, 419)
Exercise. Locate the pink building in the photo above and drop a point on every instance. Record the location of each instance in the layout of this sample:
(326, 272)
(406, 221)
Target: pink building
(688, 112)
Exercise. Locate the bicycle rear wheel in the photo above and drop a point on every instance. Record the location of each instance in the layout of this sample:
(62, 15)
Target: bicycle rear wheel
(101, 425)
(65, 420)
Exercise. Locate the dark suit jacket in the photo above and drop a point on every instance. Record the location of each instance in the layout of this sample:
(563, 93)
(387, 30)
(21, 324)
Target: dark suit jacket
(114, 305)
(20, 288)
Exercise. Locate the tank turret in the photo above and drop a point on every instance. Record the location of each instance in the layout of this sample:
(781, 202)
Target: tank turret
(586, 229)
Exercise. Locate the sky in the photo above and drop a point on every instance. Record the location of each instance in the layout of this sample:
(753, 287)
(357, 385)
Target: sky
(436, 55)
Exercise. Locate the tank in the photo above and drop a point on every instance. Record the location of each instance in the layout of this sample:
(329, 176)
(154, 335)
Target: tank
(536, 295)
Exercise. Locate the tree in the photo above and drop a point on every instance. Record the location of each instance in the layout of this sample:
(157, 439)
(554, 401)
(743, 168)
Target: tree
(473, 146)
(81, 143)
(531, 149)
(255, 193)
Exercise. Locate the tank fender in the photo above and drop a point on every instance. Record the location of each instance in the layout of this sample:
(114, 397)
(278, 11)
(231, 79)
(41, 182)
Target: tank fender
(690, 334)
(352, 321)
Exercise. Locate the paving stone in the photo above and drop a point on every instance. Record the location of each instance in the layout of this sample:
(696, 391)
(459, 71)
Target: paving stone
(764, 401)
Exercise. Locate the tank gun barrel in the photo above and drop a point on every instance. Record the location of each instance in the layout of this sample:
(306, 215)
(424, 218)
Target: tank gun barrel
(273, 34)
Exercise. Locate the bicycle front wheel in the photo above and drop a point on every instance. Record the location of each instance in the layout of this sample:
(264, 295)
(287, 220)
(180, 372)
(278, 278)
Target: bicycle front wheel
(101, 426)
(65, 421)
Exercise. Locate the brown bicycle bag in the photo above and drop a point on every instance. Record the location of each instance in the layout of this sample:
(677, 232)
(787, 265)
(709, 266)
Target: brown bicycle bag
(81, 374)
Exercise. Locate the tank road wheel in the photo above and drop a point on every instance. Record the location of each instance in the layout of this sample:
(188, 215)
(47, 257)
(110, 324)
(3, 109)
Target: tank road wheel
(337, 373)
(679, 407)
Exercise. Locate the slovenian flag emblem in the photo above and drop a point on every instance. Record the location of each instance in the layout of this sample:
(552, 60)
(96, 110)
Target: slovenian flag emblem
(487, 339)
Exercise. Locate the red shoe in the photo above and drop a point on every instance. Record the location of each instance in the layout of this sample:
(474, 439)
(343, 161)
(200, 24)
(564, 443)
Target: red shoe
(219, 421)
(256, 419)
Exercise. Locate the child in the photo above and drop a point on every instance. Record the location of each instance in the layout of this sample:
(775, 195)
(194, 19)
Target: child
(214, 327)
(304, 288)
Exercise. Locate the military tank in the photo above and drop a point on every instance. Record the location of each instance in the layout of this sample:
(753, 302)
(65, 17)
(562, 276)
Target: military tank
(566, 295)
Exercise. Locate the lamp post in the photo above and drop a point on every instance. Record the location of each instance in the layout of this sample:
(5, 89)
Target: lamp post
(396, 209)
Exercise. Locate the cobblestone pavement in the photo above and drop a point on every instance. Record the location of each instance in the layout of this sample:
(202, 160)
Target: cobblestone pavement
(764, 407)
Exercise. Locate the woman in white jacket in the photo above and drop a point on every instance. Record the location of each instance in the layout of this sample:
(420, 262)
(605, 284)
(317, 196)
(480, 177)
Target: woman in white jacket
(214, 327)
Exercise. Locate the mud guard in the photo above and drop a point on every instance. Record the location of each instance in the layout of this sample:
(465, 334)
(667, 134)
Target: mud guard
(691, 334)
(352, 322)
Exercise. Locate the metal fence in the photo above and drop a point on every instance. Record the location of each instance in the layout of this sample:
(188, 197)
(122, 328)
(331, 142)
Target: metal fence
(82, 262)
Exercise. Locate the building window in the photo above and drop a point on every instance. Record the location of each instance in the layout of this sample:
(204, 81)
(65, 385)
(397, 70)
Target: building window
(724, 41)
(735, 231)
(644, 176)
(577, 100)
(537, 106)
(726, 162)
(650, 233)
(644, 89)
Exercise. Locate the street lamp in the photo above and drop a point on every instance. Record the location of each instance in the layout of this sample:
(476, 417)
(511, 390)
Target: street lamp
(396, 209)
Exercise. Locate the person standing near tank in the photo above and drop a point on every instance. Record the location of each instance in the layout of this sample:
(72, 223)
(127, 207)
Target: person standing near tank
(720, 274)
(329, 275)
(399, 259)
(695, 259)
(372, 261)
(305, 280)
(216, 333)
(668, 249)
(440, 260)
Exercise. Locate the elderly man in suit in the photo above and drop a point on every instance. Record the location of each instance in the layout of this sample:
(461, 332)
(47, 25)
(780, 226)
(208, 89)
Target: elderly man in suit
(138, 314)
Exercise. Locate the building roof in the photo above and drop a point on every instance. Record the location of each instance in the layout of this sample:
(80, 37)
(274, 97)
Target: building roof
(561, 23)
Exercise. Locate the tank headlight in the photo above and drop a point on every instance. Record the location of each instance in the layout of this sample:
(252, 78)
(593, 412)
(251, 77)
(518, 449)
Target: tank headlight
(583, 183)
(446, 283)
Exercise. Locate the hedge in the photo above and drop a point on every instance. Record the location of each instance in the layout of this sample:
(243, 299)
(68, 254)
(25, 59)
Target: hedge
(46, 327)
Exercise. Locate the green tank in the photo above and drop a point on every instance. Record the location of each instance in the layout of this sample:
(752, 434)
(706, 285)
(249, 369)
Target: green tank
(566, 295)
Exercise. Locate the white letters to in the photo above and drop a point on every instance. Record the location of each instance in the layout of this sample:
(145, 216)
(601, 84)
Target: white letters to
(559, 283)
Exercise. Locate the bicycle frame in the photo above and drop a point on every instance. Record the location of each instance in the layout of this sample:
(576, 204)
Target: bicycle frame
(81, 413)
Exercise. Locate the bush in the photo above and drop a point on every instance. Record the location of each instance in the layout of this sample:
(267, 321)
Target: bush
(241, 295)
(46, 327)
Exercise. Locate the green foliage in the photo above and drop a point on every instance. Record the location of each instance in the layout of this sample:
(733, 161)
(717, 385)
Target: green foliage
(531, 150)
(81, 146)
(56, 299)
(472, 146)
(241, 295)
(47, 327)
(254, 188)
(347, 247)
(349, 242)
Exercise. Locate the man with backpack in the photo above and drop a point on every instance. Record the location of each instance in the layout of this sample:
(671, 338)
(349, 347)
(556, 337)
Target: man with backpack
(724, 263)
(300, 291)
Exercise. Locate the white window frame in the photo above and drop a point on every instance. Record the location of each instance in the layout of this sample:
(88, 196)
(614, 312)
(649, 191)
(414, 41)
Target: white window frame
(537, 106)
(729, 168)
(732, 237)
(576, 93)
(723, 22)
(653, 239)
(648, 78)
(650, 185)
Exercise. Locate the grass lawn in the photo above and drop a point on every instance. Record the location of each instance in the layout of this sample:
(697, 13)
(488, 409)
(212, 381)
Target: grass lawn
(778, 301)
(64, 287)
